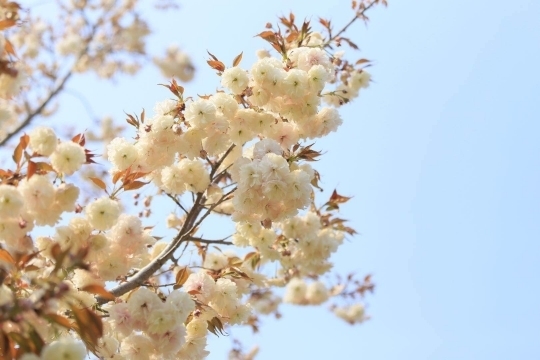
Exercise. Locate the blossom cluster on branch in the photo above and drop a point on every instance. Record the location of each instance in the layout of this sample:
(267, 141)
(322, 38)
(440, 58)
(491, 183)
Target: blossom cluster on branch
(101, 282)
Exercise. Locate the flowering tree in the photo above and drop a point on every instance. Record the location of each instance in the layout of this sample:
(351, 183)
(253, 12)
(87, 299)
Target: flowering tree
(97, 282)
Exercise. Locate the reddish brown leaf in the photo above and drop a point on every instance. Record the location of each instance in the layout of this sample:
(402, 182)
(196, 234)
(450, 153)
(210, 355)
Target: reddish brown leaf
(31, 169)
(134, 185)
(181, 277)
(237, 59)
(217, 65)
(268, 35)
(79, 139)
(89, 324)
(362, 61)
(117, 176)
(338, 199)
(18, 152)
(98, 182)
(8, 47)
(100, 291)
(6, 23)
(43, 166)
(212, 55)
(6, 256)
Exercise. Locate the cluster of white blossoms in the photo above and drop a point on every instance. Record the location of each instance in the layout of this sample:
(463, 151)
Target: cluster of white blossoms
(352, 314)
(300, 293)
(273, 107)
(36, 201)
(146, 327)
(299, 243)
(246, 141)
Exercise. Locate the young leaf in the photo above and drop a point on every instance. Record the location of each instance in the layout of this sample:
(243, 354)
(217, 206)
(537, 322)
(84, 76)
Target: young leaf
(98, 182)
(181, 277)
(99, 290)
(237, 59)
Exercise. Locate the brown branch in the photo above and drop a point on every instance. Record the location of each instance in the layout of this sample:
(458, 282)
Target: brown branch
(207, 241)
(184, 235)
(177, 202)
(37, 111)
(146, 272)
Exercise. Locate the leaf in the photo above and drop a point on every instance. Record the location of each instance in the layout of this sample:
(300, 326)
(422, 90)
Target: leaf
(324, 23)
(89, 324)
(31, 170)
(18, 152)
(351, 44)
(181, 277)
(6, 23)
(79, 139)
(362, 61)
(237, 59)
(43, 166)
(58, 255)
(117, 176)
(338, 199)
(134, 185)
(215, 326)
(212, 55)
(8, 47)
(267, 35)
(217, 65)
(100, 291)
(293, 36)
(98, 182)
(37, 341)
(25, 259)
(6, 256)
(21, 341)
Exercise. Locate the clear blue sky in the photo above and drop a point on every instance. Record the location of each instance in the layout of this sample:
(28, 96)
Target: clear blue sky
(441, 155)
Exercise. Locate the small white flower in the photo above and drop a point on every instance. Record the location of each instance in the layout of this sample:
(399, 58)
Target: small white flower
(200, 113)
(65, 349)
(235, 79)
(102, 213)
(68, 157)
(43, 140)
(316, 293)
(11, 201)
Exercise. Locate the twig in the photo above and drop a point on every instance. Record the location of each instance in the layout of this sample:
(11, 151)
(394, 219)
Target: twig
(356, 17)
(177, 202)
(207, 241)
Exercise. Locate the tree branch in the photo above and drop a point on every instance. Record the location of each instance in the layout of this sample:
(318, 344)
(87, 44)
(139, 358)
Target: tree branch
(37, 111)
(207, 241)
(184, 235)
(32, 114)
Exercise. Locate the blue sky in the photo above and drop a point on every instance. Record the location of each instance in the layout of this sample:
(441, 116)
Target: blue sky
(441, 155)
